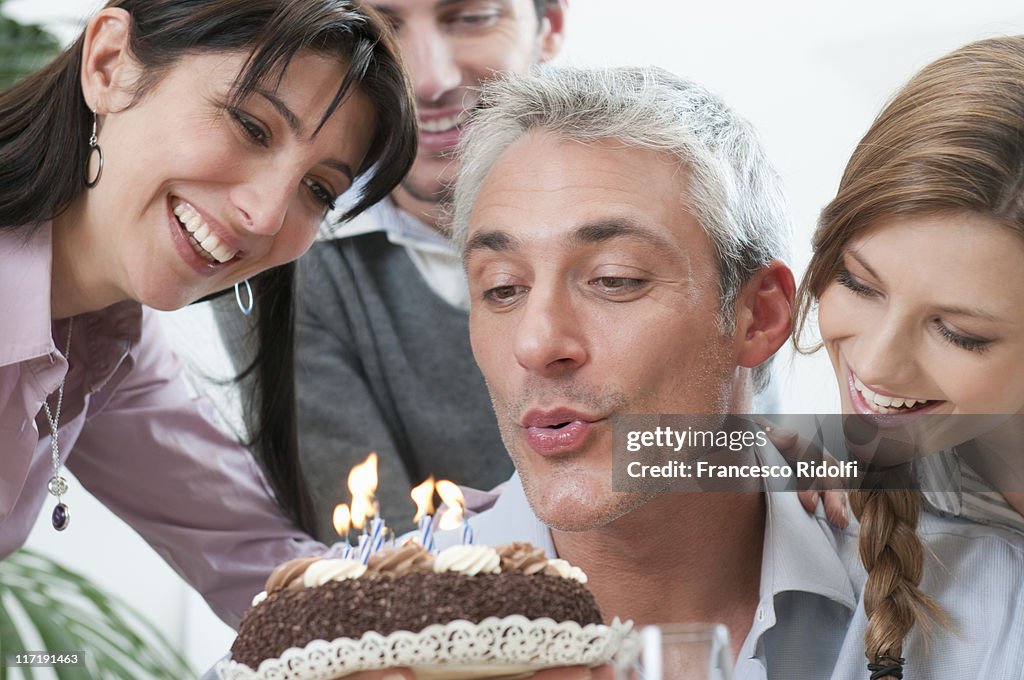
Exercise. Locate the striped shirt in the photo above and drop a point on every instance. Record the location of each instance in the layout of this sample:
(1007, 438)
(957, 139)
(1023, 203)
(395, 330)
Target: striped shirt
(969, 496)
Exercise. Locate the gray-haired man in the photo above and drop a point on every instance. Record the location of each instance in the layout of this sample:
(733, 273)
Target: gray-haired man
(622, 235)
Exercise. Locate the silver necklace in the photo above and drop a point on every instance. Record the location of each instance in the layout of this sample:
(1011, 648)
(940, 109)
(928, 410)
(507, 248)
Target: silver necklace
(58, 486)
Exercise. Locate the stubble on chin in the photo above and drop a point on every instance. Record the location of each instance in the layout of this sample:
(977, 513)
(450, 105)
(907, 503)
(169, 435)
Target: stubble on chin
(565, 493)
(565, 506)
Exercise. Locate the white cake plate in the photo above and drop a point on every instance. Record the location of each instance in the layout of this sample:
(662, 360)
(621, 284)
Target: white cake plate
(512, 647)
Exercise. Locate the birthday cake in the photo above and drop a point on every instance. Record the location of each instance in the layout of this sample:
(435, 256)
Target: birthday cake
(447, 615)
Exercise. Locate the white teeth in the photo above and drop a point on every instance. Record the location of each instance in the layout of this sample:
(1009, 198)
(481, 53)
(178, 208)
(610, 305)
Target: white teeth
(882, 403)
(221, 253)
(443, 124)
(204, 241)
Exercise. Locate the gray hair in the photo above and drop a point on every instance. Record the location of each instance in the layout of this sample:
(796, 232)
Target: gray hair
(733, 192)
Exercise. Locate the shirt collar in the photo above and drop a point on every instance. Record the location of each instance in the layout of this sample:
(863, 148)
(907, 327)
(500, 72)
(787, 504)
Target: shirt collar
(401, 228)
(969, 495)
(25, 294)
(109, 335)
(106, 335)
(800, 549)
(800, 552)
(511, 519)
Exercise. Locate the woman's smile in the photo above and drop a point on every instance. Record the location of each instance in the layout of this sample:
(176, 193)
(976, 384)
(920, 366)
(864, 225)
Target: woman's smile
(242, 186)
(926, 315)
(203, 239)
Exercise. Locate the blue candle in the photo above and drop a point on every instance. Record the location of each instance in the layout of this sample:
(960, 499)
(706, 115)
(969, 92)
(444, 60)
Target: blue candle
(426, 529)
(372, 542)
(364, 547)
(467, 533)
(379, 533)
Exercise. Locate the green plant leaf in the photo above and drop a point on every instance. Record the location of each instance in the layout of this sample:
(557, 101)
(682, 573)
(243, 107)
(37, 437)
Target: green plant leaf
(23, 49)
(10, 638)
(54, 638)
(70, 613)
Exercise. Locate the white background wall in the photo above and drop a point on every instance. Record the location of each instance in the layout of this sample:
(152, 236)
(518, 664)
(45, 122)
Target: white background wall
(809, 74)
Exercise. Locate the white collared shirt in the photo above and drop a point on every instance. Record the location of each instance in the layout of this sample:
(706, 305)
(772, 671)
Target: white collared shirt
(806, 597)
(809, 623)
(970, 496)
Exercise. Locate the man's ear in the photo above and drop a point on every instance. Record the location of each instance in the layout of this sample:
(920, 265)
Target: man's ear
(107, 69)
(764, 314)
(552, 29)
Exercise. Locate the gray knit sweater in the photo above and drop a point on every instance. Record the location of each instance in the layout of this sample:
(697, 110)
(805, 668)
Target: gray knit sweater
(383, 364)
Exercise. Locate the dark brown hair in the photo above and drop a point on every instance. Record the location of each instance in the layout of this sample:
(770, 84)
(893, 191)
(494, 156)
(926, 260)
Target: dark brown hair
(952, 140)
(44, 125)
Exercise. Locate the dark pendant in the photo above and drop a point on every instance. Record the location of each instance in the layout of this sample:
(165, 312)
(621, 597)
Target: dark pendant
(61, 517)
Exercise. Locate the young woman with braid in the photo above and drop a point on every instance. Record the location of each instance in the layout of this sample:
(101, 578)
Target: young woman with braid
(918, 280)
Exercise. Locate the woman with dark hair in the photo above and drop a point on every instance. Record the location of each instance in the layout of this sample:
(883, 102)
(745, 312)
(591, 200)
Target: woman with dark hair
(177, 148)
(918, 280)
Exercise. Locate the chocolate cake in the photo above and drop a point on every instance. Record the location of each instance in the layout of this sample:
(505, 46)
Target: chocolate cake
(407, 589)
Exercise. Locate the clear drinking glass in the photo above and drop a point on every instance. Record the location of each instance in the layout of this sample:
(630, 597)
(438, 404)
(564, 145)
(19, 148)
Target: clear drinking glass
(682, 651)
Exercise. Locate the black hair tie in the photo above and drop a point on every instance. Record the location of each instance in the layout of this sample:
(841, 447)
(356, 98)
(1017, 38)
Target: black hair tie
(892, 668)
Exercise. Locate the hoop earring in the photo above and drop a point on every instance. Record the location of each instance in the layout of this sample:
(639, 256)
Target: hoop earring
(247, 306)
(94, 149)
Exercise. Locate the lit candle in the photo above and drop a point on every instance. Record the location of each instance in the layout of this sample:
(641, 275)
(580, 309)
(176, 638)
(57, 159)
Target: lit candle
(362, 483)
(369, 544)
(423, 496)
(342, 523)
(455, 513)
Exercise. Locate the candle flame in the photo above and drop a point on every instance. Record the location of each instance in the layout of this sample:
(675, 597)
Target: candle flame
(423, 495)
(362, 483)
(452, 497)
(342, 519)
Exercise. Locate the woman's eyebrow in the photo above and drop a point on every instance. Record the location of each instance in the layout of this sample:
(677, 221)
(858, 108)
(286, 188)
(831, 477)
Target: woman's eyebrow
(863, 263)
(956, 310)
(296, 127)
(289, 116)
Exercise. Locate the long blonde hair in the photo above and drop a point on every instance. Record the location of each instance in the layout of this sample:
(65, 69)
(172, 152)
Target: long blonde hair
(952, 140)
